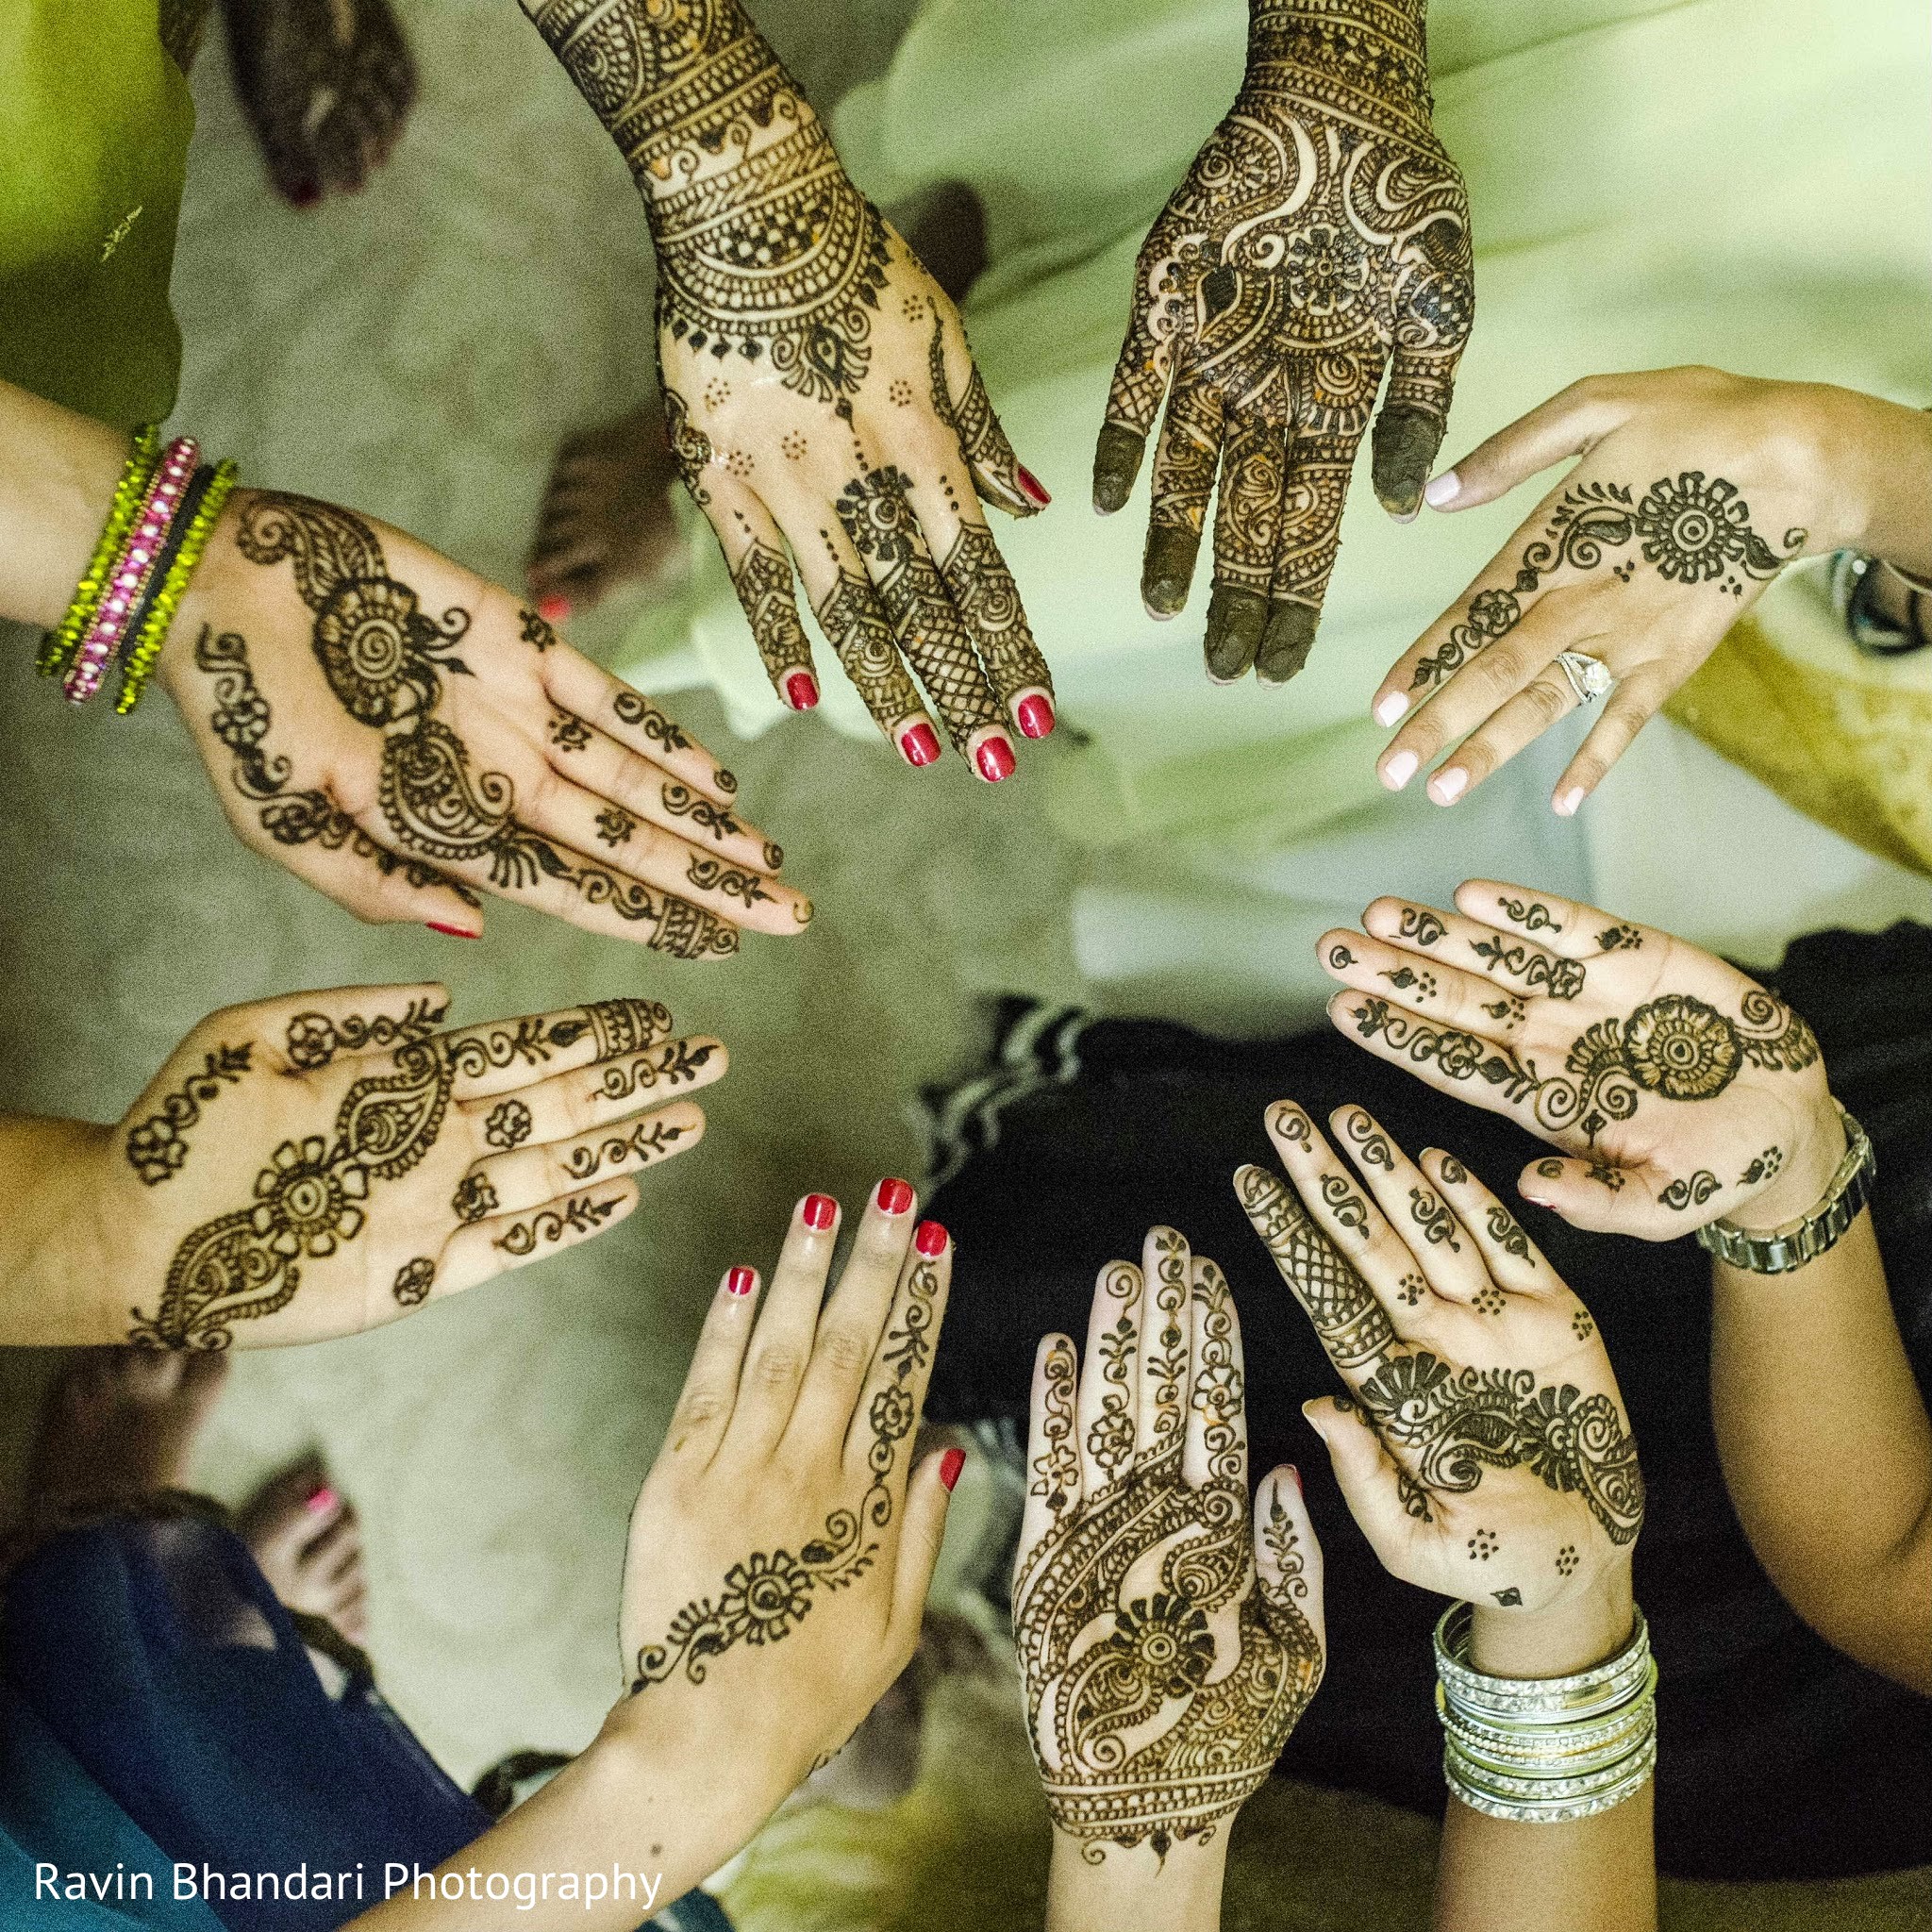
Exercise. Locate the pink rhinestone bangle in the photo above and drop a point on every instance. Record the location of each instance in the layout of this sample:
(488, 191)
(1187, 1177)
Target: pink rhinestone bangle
(128, 579)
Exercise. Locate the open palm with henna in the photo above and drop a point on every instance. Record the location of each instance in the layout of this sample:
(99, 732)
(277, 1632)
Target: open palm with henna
(1170, 1632)
(327, 1162)
(1489, 1456)
(782, 1545)
(823, 405)
(1679, 1091)
(406, 736)
(1321, 237)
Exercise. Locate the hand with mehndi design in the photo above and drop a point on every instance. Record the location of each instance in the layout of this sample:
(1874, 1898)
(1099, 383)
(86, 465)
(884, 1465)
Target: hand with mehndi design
(1681, 1092)
(405, 736)
(823, 405)
(1320, 236)
(1694, 490)
(1169, 1633)
(1482, 1445)
(327, 1162)
(783, 1544)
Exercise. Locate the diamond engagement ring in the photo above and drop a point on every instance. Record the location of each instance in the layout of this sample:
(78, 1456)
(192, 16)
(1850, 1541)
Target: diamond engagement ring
(1589, 677)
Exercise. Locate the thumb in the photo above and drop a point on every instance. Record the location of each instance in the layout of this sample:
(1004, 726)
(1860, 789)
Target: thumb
(929, 1496)
(1585, 1193)
(1569, 424)
(1288, 1559)
(1369, 1480)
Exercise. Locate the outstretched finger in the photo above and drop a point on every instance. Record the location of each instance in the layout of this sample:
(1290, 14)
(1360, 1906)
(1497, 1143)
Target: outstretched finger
(1053, 1456)
(525, 1176)
(625, 714)
(1634, 703)
(710, 1384)
(1217, 1425)
(1110, 1379)
(1140, 376)
(1320, 462)
(1435, 305)
(1512, 1260)
(1571, 422)
(483, 1249)
(959, 399)
(1247, 531)
(762, 575)
(1166, 1338)
(1185, 462)
(890, 1406)
(1288, 1566)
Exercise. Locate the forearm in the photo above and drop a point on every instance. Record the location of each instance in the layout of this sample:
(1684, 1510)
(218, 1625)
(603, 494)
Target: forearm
(624, 1807)
(53, 1290)
(58, 473)
(1827, 1452)
(1497, 1876)
(683, 107)
(1133, 1890)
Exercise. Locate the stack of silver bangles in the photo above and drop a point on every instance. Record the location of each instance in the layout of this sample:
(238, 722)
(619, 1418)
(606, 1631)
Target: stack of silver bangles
(1543, 1751)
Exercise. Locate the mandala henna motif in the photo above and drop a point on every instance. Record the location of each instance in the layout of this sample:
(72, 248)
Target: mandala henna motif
(765, 1597)
(156, 1147)
(385, 659)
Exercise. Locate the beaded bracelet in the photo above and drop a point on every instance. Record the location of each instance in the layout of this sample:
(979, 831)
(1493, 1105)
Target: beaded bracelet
(201, 510)
(137, 473)
(133, 568)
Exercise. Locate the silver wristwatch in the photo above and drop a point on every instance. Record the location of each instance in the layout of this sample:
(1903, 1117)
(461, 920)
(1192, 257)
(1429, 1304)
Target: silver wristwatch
(1778, 1250)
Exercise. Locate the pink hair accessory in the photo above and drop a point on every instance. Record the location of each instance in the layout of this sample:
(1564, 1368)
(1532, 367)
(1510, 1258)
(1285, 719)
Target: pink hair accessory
(128, 576)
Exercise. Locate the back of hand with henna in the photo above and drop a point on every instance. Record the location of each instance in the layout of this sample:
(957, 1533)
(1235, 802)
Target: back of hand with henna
(1169, 1634)
(452, 744)
(1321, 237)
(823, 405)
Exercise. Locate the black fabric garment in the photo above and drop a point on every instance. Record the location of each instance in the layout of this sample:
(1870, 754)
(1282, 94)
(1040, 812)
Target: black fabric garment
(1778, 1757)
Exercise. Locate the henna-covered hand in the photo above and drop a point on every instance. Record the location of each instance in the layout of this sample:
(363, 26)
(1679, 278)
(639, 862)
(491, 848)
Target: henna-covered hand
(1681, 1092)
(405, 736)
(1482, 1445)
(325, 1162)
(1695, 489)
(1322, 234)
(1170, 1634)
(783, 1544)
(823, 405)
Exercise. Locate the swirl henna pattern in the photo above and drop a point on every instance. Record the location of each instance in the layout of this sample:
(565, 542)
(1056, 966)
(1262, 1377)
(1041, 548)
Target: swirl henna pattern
(764, 1598)
(1320, 236)
(386, 660)
(1447, 1424)
(1675, 1046)
(1689, 529)
(1164, 1672)
(310, 1197)
(156, 1147)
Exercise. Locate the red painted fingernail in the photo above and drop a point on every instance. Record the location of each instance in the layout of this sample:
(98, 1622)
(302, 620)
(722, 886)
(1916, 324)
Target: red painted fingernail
(453, 932)
(801, 690)
(1297, 1476)
(740, 1281)
(1031, 488)
(321, 1500)
(918, 746)
(995, 759)
(1035, 715)
(950, 1464)
(820, 1211)
(930, 1238)
(554, 609)
(304, 195)
(894, 1196)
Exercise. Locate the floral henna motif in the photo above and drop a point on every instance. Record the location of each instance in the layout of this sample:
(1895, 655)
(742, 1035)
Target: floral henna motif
(1688, 529)
(1054, 1470)
(413, 1281)
(767, 1595)
(1677, 1047)
(1163, 1675)
(313, 1040)
(156, 1147)
(1111, 1435)
(385, 659)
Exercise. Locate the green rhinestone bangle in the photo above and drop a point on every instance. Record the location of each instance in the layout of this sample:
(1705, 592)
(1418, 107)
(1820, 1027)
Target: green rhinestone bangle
(59, 644)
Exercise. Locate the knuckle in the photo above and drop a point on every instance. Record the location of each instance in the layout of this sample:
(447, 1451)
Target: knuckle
(1546, 702)
(843, 1346)
(699, 1408)
(777, 1366)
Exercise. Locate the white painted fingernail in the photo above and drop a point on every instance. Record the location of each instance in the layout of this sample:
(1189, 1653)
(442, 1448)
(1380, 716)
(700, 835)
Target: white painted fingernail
(1392, 707)
(1446, 788)
(1441, 489)
(1399, 770)
(1566, 803)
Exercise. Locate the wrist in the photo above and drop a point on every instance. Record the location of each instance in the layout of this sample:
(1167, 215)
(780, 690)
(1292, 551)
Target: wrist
(1571, 1636)
(1803, 1178)
(1134, 1889)
(1372, 47)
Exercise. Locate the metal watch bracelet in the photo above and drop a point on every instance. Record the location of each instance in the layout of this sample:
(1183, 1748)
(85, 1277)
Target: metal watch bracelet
(1778, 1250)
